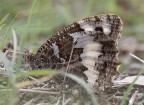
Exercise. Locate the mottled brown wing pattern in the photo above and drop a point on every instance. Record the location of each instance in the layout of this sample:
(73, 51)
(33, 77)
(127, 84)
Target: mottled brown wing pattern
(86, 48)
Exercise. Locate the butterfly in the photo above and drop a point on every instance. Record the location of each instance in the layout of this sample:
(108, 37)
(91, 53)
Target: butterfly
(87, 48)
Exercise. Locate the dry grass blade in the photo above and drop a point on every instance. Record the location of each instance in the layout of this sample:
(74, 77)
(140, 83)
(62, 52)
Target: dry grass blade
(28, 83)
(38, 91)
(137, 58)
(133, 83)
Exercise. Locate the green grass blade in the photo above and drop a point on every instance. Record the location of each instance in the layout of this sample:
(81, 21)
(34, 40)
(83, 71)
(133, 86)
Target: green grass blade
(123, 102)
(5, 61)
(40, 72)
(6, 33)
(24, 36)
(133, 83)
(4, 19)
(15, 47)
(85, 86)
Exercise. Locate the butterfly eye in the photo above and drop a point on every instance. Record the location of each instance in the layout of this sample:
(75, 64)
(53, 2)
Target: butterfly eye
(99, 29)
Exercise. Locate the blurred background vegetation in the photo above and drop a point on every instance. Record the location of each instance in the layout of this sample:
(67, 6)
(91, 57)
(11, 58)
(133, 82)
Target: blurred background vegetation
(36, 20)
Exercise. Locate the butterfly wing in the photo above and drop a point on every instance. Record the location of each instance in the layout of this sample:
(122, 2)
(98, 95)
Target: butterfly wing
(87, 47)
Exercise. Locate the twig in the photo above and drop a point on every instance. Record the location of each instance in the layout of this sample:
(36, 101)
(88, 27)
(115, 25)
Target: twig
(137, 58)
(43, 89)
(132, 99)
(32, 91)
